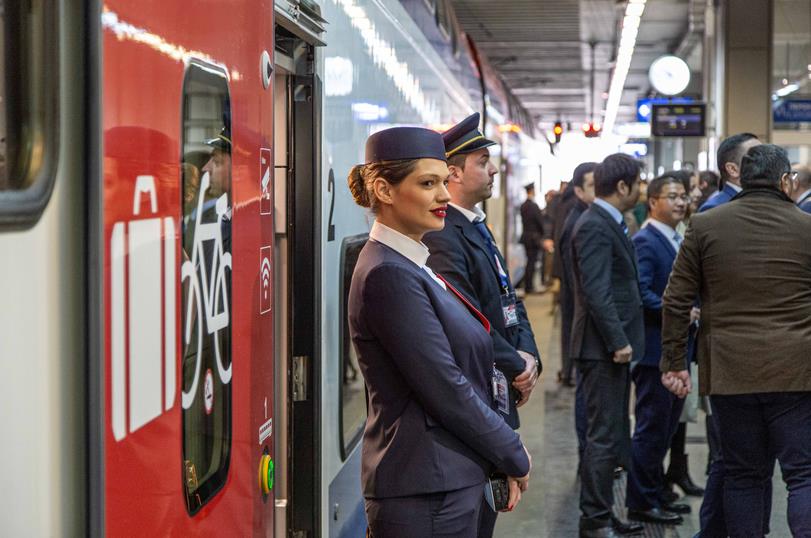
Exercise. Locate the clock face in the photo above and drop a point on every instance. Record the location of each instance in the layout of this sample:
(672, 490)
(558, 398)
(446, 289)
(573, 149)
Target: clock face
(669, 75)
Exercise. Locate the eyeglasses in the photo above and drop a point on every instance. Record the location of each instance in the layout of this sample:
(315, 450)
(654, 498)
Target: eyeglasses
(673, 197)
(793, 174)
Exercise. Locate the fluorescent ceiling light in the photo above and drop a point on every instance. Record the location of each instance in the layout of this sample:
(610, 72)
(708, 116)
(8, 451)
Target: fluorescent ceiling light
(786, 90)
(625, 52)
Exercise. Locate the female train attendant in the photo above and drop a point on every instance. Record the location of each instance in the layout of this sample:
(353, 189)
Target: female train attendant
(431, 435)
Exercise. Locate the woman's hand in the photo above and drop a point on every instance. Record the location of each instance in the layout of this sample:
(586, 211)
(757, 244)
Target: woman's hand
(515, 493)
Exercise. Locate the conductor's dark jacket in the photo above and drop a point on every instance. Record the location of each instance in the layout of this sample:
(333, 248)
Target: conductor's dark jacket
(533, 224)
(459, 254)
(427, 364)
(608, 304)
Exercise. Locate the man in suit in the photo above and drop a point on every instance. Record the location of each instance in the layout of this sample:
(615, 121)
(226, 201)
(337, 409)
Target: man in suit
(465, 254)
(582, 193)
(532, 222)
(657, 411)
(730, 152)
(801, 188)
(607, 332)
(753, 348)
(712, 520)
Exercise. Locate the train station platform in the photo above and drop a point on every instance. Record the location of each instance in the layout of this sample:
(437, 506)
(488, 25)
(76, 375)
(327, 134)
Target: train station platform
(550, 507)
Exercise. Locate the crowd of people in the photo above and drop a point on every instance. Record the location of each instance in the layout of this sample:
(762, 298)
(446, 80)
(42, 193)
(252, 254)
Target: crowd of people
(693, 287)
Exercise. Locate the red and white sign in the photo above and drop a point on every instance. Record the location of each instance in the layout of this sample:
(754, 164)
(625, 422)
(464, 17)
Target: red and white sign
(265, 172)
(142, 318)
(265, 275)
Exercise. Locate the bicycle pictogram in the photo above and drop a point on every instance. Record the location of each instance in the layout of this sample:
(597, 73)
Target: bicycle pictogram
(207, 288)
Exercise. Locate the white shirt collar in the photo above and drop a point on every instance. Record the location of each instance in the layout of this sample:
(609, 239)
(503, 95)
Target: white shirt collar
(472, 216)
(734, 187)
(613, 211)
(415, 251)
(667, 231)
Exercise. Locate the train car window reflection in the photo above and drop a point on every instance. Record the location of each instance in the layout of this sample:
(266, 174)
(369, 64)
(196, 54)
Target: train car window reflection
(353, 392)
(29, 93)
(206, 282)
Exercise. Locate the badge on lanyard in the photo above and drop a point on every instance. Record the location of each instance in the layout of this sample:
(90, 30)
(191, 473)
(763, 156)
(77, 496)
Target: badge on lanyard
(509, 309)
(501, 391)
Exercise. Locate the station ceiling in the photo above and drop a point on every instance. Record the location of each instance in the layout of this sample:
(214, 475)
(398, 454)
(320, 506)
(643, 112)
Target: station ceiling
(543, 50)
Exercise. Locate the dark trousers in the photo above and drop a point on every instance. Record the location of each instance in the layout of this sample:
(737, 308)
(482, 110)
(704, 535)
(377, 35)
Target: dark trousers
(754, 429)
(446, 514)
(487, 521)
(712, 520)
(580, 419)
(529, 272)
(657, 413)
(605, 387)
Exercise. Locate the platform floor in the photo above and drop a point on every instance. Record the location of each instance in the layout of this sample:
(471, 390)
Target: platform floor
(550, 507)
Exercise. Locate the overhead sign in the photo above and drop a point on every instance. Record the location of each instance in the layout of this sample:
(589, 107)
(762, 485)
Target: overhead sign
(792, 111)
(645, 106)
(678, 120)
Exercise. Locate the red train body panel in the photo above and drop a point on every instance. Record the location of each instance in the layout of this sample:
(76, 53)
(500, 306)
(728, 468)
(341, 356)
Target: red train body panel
(147, 49)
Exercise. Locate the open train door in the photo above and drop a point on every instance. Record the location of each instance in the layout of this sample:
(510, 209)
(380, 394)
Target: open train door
(183, 425)
(297, 111)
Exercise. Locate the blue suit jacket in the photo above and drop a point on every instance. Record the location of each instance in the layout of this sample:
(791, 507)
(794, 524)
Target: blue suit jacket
(718, 198)
(805, 204)
(427, 363)
(460, 254)
(655, 257)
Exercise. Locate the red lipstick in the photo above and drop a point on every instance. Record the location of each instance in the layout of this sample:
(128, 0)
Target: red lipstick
(440, 212)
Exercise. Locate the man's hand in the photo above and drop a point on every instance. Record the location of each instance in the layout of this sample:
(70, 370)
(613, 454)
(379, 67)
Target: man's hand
(695, 314)
(549, 245)
(678, 383)
(525, 381)
(623, 355)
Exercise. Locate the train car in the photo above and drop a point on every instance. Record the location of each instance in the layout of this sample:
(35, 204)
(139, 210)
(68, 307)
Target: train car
(180, 240)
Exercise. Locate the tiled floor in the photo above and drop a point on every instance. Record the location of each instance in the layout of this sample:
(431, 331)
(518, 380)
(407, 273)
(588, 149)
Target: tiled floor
(550, 507)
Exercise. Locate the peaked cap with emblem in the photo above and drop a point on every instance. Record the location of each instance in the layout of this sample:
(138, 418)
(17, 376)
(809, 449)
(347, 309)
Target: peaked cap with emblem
(465, 137)
(402, 143)
(222, 141)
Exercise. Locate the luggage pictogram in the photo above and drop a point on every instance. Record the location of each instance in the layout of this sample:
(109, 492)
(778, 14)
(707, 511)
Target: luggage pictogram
(142, 256)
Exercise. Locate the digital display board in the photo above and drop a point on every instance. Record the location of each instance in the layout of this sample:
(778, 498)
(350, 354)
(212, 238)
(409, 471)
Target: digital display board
(678, 120)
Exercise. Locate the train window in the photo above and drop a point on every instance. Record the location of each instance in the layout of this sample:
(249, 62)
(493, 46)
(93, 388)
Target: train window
(353, 392)
(443, 18)
(29, 93)
(431, 5)
(206, 282)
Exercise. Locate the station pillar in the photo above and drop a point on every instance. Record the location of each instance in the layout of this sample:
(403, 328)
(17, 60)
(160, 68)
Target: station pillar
(743, 67)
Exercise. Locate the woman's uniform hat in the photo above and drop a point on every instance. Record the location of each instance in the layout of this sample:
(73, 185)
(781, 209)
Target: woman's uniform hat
(222, 141)
(465, 137)
(401, 143)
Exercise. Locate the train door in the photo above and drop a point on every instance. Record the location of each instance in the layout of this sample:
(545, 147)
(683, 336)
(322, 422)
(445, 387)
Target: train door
(186, 251)
(296, 171)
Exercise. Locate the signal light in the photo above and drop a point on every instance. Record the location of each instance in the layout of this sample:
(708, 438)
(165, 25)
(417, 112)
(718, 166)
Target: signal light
(558, 131)
(591, 130)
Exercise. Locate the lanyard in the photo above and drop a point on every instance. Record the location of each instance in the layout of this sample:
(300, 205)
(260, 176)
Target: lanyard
(503, 278)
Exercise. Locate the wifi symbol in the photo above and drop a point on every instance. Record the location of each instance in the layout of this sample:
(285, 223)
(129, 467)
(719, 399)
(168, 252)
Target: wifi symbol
(265, 278)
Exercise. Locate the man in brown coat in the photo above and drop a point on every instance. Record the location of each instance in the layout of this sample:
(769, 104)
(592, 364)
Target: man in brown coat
(749, 261)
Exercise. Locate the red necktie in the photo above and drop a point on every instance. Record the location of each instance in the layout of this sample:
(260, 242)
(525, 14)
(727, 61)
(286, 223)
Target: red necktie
(473, 310)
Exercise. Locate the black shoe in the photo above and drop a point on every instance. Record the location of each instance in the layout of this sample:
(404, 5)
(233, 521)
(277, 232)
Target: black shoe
(677, 508)
(688, 487)
(602, 532)
(626, 528)
(669, 496)
(655, 515)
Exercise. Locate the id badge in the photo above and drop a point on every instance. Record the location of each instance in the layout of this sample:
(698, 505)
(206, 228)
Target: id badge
(501, 391)
(509, 309)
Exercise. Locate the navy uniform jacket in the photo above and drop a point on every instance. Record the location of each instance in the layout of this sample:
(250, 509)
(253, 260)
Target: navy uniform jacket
(427, 363)
(719, 198)
(532, 222)
(608, 305)
(459, 254)
(805, 203)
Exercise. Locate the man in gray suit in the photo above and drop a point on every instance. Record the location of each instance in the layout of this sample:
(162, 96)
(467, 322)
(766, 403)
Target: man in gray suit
(749, 262)
(607, 333)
